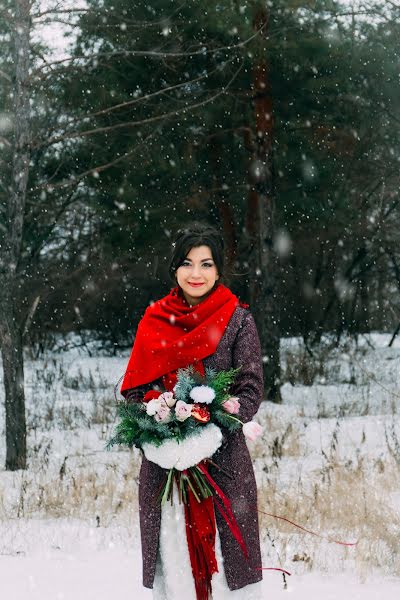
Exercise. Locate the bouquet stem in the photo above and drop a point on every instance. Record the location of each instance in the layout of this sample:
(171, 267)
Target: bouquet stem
(167, 489)
(191, 479)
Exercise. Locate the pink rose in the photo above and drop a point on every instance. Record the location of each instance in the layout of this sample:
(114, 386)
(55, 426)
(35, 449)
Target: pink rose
(168, 398)
(231, 405)
(163, 414)
(252, 430)
(183, 410)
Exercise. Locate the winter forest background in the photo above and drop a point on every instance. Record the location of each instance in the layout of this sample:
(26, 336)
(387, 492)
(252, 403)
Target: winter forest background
(278, 122)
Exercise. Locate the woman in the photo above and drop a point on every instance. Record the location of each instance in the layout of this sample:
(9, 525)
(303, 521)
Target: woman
(201, 323)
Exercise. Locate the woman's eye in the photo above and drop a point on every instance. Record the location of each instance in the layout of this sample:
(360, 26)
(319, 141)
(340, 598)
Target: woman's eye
(188, 264)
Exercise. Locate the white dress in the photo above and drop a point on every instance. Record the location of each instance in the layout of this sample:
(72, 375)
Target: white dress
(173, 578)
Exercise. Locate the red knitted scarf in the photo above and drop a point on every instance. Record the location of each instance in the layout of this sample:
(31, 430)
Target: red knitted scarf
(173, 335)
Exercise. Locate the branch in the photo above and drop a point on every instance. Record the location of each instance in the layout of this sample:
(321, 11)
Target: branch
(29, 317)
(395, 5)
(7, 191)
(78, 178)
(5, 75)
(45, 236)
(5, 141)
(153, 53)
(79, 11)
(61, 11)
(373, 377)
(105, 111)
(390, 114)
(88, 132)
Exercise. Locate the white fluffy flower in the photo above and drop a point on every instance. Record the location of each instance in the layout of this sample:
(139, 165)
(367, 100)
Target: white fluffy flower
(202, 394)
(153, 406)
(188, 452)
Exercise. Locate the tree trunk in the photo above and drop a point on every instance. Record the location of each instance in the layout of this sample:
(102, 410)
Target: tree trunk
(221, 207)
(10, 332)
(13, 369)
(263, 262)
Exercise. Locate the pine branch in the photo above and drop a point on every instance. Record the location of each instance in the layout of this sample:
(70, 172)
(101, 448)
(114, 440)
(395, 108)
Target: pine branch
(222, 382)
(225, 420)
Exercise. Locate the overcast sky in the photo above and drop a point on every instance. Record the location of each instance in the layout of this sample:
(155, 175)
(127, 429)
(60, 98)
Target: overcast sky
(53, 34)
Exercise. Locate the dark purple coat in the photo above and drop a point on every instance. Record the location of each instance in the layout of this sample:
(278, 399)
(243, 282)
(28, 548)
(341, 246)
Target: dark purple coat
(239, 346)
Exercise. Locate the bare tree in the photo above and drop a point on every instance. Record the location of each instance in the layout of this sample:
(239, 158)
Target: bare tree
(15, 259)
(10, 332)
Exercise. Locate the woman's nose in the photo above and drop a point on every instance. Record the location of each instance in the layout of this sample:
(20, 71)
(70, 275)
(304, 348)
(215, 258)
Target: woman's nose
(196, 271)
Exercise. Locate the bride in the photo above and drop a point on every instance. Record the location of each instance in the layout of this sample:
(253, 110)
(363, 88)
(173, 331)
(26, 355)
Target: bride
(200, 323)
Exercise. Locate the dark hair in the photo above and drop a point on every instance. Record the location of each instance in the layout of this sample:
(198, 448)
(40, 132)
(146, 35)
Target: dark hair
(193, 236)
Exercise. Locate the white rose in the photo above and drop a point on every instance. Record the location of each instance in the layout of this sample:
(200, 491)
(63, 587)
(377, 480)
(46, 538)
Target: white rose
(183, 410)
(168, 398)
(163, 414)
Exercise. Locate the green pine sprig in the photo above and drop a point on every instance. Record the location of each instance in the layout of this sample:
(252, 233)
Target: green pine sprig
(185, 383)
(230, 422)
(222, 383)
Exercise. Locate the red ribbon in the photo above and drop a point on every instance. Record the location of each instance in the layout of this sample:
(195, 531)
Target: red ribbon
(200, 535)
(273, 569)
(307, 530)
(226, 512)
(201, 532)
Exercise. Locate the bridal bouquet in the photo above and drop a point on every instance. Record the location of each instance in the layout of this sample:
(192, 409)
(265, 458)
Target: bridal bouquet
(180, 429)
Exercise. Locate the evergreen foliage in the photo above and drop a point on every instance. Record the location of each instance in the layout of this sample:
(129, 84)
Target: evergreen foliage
(184, 383)
(155, 127)
(221, 383)
(168, 95)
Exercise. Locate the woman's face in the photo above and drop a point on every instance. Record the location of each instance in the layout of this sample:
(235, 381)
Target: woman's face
(197, 274)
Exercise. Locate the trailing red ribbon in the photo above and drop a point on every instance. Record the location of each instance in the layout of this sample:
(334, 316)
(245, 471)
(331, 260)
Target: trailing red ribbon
(226, 512)
(307, 530)
(273, 569)
(200, 535)
(201, 532)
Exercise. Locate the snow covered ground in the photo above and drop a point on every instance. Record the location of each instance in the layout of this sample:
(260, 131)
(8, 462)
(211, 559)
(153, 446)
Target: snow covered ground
(114, 574)
(329, 460)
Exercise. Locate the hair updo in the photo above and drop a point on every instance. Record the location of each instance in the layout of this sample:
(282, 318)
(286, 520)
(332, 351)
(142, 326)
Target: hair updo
(193, 236)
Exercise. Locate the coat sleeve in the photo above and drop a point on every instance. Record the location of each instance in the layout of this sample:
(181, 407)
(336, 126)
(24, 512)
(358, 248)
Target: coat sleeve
(249, 384)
